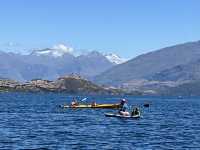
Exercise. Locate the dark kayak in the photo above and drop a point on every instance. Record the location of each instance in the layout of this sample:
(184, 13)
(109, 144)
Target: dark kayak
(121, 116)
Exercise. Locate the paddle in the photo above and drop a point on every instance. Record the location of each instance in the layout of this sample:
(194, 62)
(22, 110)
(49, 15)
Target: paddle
(84, 99)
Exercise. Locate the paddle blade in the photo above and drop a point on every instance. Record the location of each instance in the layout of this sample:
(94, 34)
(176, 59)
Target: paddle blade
(83, 99)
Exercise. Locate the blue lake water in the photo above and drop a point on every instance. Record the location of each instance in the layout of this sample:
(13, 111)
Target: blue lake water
(34, 121)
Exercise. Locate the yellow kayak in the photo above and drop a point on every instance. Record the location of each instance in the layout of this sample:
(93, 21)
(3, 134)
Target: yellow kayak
(108, 106)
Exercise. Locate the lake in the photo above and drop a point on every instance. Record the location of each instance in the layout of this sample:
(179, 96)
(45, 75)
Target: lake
(35, 121)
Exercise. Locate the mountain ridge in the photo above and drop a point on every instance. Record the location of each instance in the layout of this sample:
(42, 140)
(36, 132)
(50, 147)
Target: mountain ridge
(46, 66)
(150, 63)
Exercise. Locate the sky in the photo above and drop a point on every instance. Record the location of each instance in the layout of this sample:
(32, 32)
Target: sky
(125, 27)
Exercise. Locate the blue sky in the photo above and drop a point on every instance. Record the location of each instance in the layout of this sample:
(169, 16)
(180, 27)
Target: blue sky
(125, 27)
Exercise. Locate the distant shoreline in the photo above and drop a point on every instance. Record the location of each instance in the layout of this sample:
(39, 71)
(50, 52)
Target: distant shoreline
(67, 84)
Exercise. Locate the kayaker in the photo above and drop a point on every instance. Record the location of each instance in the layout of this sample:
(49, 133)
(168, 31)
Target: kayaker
(94, 104)
(123, 109)
(74, 102)
(135, 112)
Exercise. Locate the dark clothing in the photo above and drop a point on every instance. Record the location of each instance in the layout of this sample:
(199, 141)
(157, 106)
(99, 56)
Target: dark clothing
(135, 112)
(123, 107)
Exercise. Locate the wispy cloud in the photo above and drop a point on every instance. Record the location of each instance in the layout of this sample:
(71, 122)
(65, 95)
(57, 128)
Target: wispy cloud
(11, 44)
(13, 47)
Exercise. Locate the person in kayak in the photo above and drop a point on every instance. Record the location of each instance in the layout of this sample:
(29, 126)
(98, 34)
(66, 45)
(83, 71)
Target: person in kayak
(93, 104)
(74, 102)
(123, 109)
(135, 112)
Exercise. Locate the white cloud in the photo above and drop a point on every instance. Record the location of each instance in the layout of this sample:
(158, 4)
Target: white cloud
(58, 50)
(63, 48)
(13, 47)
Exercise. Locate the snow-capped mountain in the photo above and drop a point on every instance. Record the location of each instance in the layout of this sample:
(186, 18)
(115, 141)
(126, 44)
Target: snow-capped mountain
(114, 58)
(60, 50)
(59, 60)
(33, 66)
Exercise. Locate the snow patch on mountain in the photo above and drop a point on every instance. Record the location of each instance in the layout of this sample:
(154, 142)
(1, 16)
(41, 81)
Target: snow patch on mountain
(115, 58)
(60, 49)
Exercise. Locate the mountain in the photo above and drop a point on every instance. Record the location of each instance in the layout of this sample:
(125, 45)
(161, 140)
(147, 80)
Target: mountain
(147, 65)
(55, 52)
(9, 63)
(93, 64)
(186, 89)
(189, 71)
(51, 63)
(87, 65)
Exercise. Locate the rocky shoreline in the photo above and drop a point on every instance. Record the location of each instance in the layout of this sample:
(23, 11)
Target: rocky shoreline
(67, 84)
